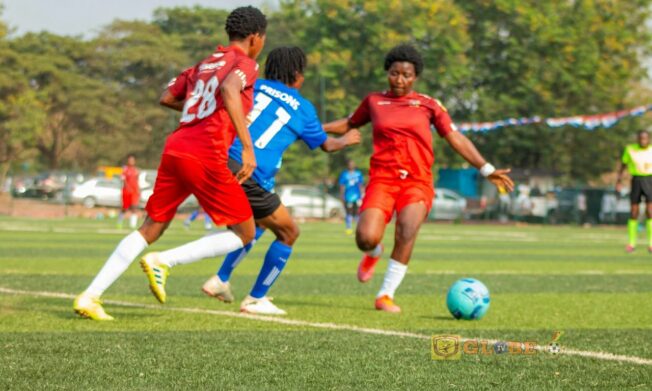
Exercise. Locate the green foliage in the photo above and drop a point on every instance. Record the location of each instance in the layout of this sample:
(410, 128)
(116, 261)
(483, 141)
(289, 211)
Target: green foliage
(96, 100)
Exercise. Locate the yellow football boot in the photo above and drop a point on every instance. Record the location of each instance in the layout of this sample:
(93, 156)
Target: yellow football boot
(157, 274)
(90, 307)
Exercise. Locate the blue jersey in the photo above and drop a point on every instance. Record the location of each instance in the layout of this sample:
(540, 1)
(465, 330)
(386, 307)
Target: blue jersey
(279, 117)
(351, 180)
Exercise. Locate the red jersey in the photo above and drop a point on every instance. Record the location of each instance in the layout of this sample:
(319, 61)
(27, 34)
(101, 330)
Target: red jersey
(206, 131)
(130, 180)
(402, 135)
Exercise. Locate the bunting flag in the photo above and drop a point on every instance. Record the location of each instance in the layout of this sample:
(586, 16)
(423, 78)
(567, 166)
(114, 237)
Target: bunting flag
(589, 122)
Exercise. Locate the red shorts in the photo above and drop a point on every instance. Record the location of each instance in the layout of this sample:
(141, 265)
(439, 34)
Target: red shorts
(129, 199)
(216, 189)
(391, 195)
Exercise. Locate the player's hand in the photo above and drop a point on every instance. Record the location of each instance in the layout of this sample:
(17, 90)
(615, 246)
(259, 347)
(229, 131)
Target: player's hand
(352, 137)
(500, 179)
(248, 165)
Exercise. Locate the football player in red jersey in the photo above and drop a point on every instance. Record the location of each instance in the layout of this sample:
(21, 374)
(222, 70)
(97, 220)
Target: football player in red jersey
(130, 192)
(400, 173)
(213, 97)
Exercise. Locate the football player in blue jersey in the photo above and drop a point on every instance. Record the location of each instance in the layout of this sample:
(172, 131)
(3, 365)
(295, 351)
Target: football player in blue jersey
(280, 117)
(351, 187)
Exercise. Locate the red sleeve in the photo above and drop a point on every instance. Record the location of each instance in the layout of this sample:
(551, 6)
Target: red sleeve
(247, 70)
(178, 85)
(361, 115)
(441, 120)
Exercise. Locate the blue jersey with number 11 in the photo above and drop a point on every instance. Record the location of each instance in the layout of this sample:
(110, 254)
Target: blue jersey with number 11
(280, 116)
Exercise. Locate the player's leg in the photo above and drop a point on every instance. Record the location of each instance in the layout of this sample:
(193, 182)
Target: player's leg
(648, 224)
(219, 286)
(133, 218)
(225, 202)
(348, 219)
(412, 206)
(632, 224)
(191, 218)
(161, 207)
(88, 304)
(376, 211)
(408, 222)
(287, 232)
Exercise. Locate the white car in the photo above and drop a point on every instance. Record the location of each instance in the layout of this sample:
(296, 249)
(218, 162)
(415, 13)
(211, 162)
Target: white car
(308, 202)
(98, 192)
(188, 204)
(447, 205)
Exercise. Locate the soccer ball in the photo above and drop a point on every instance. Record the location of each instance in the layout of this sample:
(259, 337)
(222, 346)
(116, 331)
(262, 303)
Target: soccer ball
(468, 298)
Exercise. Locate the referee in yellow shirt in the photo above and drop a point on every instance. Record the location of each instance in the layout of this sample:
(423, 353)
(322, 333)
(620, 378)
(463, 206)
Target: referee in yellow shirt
(637, 158)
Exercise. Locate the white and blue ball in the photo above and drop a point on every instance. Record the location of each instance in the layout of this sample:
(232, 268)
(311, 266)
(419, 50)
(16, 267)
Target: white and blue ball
(468, 298)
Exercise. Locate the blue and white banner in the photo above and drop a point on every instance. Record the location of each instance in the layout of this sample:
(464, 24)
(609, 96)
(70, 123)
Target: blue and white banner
(589, 122)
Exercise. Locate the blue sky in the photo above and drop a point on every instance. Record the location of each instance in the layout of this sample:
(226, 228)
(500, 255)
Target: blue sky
(86, 17)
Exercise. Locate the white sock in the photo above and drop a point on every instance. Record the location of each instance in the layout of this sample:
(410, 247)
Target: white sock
(207, 247)
(133, 220)
(376, 252)
(128, 249)
(393, 277)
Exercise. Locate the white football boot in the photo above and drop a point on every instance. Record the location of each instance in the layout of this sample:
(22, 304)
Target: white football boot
(214, 287)
(263, 306)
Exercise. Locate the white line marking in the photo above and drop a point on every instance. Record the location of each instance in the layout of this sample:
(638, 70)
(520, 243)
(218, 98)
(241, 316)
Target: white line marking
(320, 325)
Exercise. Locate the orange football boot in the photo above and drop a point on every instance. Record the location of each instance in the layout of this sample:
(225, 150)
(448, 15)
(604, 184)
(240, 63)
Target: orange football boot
(386, 303)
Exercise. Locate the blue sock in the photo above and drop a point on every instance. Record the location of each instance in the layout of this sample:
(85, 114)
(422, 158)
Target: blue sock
(193, 216)
(275, 260)
(348, 220)
(233, 258)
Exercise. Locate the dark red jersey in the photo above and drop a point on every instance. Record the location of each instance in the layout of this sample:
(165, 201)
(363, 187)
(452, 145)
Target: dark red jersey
(205, 130)
(402, 135)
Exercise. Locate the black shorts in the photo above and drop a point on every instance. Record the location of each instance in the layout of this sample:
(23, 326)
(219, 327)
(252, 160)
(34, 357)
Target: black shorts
(263, 203)
(352, 207)
(641, 187)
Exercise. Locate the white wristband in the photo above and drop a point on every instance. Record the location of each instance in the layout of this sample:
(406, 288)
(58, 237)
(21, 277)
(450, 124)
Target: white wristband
(487, 169)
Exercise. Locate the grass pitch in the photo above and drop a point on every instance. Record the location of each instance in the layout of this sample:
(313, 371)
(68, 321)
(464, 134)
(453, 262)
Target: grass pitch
(542, 279)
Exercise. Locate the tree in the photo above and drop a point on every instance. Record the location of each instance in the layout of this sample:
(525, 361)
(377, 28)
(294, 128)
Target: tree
(554, 59)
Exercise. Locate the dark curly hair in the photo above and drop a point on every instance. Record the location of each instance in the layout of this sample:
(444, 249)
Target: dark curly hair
(284, 63)
(407, 53)
(244, 21)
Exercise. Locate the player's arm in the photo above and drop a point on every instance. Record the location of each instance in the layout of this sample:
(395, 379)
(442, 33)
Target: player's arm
(230, 89)
(619, 178)
(339, 126)
(465, 148)
(170, 101)
(333, 144)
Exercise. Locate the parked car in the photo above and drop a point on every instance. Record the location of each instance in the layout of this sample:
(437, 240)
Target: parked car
(308, 202)
(447, 205)
(98, 192)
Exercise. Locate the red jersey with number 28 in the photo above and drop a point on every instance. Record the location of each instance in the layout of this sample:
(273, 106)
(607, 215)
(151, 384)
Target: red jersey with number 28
(402, 136)
(205, 130)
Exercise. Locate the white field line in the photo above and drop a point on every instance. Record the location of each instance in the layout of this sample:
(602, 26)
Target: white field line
(542, 272)
(320, 325)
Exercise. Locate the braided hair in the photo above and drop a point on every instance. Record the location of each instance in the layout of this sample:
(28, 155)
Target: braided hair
(284, 63)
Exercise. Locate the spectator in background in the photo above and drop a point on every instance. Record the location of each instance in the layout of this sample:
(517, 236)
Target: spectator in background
(130, 193)
(637, 158)
(351, 189)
